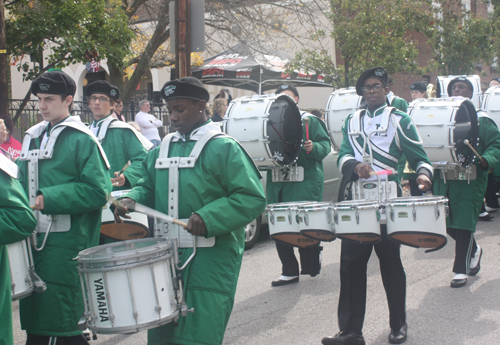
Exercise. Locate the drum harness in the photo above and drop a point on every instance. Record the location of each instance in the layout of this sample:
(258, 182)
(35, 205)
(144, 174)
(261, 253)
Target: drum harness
(355, 130)
(111, 122)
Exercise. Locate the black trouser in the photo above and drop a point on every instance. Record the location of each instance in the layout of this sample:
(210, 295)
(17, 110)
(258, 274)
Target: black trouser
(465, 248)
(352, 301)
(48, 340)
(491, 192)
(309, 260)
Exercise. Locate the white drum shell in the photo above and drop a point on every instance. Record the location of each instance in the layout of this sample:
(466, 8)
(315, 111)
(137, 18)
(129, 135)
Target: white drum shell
(21, 282)
(316, 217)
(425, 215)
(345, 216)
(434, 119)
(130, 294)
(340, 104)
(491, 103)
(444, 81)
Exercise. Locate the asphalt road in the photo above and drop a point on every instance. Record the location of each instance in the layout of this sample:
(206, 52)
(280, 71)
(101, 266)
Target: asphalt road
(304, 313)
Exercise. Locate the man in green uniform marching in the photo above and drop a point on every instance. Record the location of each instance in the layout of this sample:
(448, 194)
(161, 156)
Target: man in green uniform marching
(390, 133)
(214, 186)
(65, 174)
(466, 199)
(120, 141)
(316, 147)
(16, 223)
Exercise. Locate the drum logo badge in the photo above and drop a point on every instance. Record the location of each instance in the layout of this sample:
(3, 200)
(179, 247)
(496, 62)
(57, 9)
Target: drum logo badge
(278, 156)
(345, 218)
(101, 299)
(369, 186)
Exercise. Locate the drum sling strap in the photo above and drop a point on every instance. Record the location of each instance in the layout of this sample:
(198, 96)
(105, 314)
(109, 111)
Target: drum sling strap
(53, 222)
(111, 122)
(173, 164)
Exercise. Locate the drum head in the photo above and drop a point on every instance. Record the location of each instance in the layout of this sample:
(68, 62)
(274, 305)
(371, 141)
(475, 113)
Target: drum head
(124, 231)
(284, 129)
(466, 127)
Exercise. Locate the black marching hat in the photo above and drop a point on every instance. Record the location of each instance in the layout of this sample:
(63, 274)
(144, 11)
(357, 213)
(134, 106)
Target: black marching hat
(54, 83)
(288, 87)
(375, 72)
(463, 80)
(187, 87)
(419, 86)
(104, 87)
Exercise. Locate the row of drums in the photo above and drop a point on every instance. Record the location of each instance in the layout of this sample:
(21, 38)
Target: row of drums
(416, 221)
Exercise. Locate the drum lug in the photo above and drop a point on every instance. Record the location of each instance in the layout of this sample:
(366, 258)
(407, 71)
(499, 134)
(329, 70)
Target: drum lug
(436, 211)
(271, 217)
(306, 218)
(336, 217)
(329, 216)
(357, 216)
(290, 216)
(392, 213)
(414, 212)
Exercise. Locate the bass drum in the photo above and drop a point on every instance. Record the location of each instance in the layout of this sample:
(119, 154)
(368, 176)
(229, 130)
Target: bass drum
(491, 103)
(443, 124)
(340, 104)
(269, 127)
(442, 83)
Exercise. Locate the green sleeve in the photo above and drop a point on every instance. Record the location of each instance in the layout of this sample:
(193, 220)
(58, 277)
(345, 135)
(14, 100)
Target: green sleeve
(489, 137)
(17, 221)
(92, 189)
(346, 152)
(415, 154)
(136, 154)
(318, 134)
(400, 104)
(245, 198)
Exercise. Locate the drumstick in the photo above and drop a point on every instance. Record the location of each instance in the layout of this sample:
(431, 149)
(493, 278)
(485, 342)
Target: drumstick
(125, 167)
(466, 142)
(306, 120)
(382, 172)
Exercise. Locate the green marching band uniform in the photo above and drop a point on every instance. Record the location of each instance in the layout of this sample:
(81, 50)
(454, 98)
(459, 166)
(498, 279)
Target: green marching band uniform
(389, 159)
(74, 182)
(224, 189)
(120, 141)
(311, 188)
(17, 222)
(465, 199)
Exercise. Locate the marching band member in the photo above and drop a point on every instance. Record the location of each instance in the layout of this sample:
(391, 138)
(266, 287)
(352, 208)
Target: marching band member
(418, 90)
(311, 156)
(465, 199)
(16, 223)
(399, 138)
(64, 172)
(219, 191)
(120, 141)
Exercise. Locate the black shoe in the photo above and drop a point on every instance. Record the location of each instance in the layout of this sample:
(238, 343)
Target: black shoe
(458, 282)
(399, 336)
(486, 217)
(284, 280)
(475, 270)
(344, 338)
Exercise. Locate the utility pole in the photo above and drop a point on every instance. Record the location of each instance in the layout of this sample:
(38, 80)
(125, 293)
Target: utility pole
(182, 38)
(4, 65)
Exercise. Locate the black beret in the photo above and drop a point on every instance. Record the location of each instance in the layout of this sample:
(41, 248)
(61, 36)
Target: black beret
(419, 86)
(462, 79)
(187, 87)
(104, 87)
(495, 79)
(375, 72)
(54, 83)
(288, 87)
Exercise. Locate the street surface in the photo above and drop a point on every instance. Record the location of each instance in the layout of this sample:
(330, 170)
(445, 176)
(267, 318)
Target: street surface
(304, 313)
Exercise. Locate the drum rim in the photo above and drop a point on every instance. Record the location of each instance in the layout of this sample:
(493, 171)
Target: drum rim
(87, 255)
(417, 200)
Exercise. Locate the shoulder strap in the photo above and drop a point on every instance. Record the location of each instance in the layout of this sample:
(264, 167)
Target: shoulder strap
(165, 145)
(384, 121)
(355, 123)
(104, 128)
(144, 141)
(33, 132)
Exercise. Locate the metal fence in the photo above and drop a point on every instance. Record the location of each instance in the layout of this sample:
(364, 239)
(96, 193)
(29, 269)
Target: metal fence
(30, 115)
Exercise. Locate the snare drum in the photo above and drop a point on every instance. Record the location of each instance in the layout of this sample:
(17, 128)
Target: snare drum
(284, 227)
(357, 220)
(128, 286)
(269, 127)
(134, 228)
(417, 221)
(341, 104)
(443, 124)
(491, 103)
(316, 221)
(20, 279)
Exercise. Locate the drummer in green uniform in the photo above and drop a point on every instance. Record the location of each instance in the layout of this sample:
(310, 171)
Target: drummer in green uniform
(16, 223)
(65, 174)
(120, 141)
(218, 192)
(466, 198)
